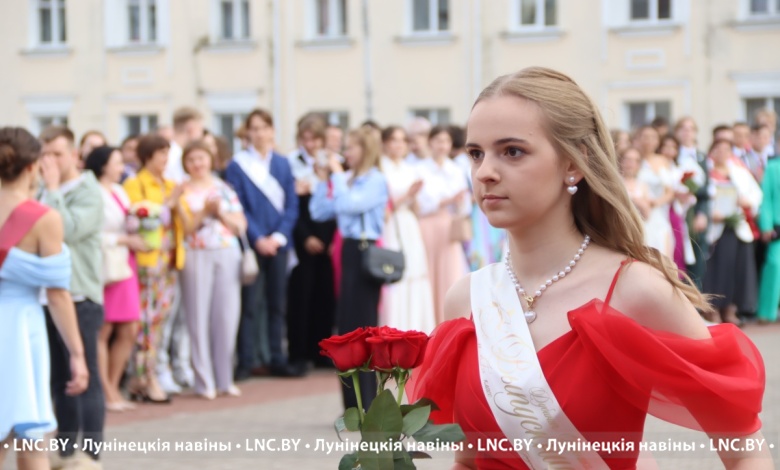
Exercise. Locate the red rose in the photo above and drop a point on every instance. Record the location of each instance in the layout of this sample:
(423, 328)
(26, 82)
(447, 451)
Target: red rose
(142, 212)
(686, 176)
(347, 351)
(394, 348)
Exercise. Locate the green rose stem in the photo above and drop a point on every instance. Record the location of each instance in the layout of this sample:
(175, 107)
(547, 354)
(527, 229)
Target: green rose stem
(358, 396)
(403, 376)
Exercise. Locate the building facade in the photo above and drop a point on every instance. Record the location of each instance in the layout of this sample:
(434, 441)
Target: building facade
(124, 66)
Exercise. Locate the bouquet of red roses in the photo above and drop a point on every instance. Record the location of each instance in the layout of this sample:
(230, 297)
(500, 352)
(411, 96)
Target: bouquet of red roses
(391, 354)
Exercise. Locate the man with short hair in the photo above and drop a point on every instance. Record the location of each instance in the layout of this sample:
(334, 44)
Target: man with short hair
(334, 139)
(174, 369)
(77, 198)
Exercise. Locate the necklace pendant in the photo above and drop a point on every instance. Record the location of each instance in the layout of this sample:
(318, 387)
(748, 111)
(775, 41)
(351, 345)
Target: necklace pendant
(529, 299)
(530, 316)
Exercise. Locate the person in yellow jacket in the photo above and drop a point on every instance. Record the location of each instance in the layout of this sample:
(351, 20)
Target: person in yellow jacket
(158, 266)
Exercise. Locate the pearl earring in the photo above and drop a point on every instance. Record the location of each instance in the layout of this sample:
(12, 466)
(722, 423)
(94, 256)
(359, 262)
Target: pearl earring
(572, 189)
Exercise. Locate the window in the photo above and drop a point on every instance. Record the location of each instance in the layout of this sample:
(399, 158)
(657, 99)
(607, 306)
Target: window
(642, 113)
(234, 19)
(41, 122)
(430, 16)
(336, 118)
(330, 18)
(651, 10)
(435, 116)
(140, 123)
(142, 21)
(50, 22)
(754, 104)
(536, 13)
(764, 7)
(227, 124)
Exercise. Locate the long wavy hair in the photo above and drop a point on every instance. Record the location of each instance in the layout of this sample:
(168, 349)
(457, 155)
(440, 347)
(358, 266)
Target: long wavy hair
(602, 208)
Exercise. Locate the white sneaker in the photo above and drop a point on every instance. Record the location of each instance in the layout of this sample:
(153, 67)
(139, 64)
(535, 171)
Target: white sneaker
(57, 462)
(169, 386)
(185, 377)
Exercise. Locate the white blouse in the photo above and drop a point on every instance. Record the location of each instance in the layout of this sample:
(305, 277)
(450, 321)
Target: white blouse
(114, 218)
(400, 177)
(442, 182)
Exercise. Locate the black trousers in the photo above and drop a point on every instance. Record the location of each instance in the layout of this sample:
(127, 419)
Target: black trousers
(83, 414)
(311, 305)
(357, 307)
(263, 306)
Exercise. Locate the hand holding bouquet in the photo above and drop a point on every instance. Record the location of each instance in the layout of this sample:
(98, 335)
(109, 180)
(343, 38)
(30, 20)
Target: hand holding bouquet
(147, 218)
(389, 353)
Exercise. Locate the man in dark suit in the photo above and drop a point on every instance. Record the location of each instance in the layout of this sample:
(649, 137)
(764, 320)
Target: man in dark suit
(265, 186)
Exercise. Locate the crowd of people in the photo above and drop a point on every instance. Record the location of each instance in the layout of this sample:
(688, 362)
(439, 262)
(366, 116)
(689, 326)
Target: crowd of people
(713, 213)
(158, 230)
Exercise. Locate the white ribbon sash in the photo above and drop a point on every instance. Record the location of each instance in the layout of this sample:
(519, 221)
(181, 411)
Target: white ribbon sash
(512, 379)
(262, 178)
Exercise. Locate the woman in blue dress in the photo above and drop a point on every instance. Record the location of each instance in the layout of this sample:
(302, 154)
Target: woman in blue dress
(32, 256)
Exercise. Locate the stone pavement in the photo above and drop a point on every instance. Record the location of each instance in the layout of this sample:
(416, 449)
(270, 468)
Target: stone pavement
(306, 408)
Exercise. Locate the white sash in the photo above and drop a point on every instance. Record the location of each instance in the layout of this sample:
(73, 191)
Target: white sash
(512, 379)
(262, 178)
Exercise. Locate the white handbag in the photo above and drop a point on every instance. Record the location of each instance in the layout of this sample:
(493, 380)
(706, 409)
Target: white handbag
(116, 267)
(249, 267)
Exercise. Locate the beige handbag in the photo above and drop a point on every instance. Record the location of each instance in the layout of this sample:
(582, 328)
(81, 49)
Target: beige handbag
(249, 267)
(115, 264)
(461, 229)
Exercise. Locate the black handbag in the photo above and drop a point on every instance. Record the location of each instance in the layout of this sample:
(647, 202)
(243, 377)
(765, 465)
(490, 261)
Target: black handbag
(380, 264)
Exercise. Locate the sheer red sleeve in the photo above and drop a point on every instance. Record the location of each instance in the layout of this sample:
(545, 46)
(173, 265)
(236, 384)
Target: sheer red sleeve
(436, 377)
(714, 385)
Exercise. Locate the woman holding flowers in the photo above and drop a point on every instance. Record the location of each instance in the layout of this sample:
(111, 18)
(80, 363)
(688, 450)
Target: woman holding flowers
(543, 357)
(120, 292)
(358, 203)
(731, 269)
(161, 217)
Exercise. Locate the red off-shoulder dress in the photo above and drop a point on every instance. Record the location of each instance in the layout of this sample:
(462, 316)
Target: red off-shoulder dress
(608, 372)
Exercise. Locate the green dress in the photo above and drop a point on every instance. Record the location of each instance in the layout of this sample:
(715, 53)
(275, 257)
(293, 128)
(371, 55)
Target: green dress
(769, 219)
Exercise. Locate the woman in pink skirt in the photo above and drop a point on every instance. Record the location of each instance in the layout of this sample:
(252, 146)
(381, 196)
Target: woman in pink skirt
(121, 297)
(443, 202)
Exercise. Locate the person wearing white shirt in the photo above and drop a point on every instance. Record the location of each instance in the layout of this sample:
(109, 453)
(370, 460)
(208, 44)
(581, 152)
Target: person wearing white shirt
(187, 127)
(444, 206)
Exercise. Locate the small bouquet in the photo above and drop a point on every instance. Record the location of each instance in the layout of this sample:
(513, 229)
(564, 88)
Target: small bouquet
(389, 353)
(687, 181)
(146, 218)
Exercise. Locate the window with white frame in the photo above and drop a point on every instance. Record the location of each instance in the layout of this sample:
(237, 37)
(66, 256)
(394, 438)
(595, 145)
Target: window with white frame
(234, 20)
(50, 24)
(142, 21)
(751, 105)
(329, 19)
(226, 125)
(536, 13)
(764, 7)
(434, 115)
(641, 113)
(430, 16)
(136, 124)
(650, 10)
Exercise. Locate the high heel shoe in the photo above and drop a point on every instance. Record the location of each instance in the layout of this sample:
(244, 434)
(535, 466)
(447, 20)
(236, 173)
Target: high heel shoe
(143, 397)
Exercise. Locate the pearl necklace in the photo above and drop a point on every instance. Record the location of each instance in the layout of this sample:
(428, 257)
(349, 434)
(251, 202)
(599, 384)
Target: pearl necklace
(530, 315)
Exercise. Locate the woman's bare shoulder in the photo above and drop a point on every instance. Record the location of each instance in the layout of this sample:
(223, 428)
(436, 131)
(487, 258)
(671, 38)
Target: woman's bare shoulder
(644, 294)
(457, 302)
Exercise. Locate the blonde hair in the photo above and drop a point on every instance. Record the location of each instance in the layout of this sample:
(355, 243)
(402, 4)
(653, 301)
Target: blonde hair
(367, 140)
(602, 208)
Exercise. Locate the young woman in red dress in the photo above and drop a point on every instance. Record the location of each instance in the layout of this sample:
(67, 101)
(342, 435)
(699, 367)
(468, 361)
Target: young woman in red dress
(584, 330)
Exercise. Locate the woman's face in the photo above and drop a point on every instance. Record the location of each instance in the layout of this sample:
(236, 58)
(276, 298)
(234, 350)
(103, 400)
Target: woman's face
(211, 143)
(721, 153)
(630, 162)
(353, 153)
(623, 142)
(519, 179)
(157, 163)
(396, 146)
(114, 168)
(669, 149)
(648, 141)
(197, 163)
(441, 145)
